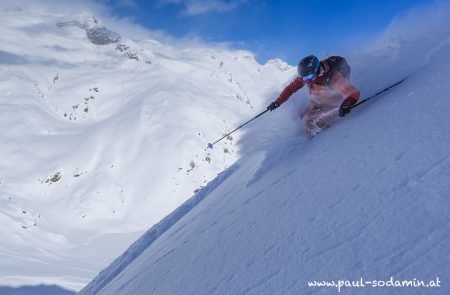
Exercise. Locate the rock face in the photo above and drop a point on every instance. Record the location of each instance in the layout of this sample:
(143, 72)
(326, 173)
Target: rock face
(102, 36)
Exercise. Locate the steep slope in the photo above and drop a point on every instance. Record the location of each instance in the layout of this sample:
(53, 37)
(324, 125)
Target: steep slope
(366, 199)
(103, 136)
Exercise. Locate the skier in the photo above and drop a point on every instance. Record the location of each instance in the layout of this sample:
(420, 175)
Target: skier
(331, 92)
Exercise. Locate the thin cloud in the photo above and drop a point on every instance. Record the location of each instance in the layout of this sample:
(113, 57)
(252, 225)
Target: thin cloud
(198, 7)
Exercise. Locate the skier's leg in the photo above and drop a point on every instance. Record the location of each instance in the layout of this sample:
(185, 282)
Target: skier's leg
(326, 117)
(310, 115)
(319, 117)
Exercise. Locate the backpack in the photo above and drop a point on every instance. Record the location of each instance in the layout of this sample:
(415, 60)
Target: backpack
(337, 64)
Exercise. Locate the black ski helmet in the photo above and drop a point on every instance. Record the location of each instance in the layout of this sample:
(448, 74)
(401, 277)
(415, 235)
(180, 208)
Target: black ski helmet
(308, 67)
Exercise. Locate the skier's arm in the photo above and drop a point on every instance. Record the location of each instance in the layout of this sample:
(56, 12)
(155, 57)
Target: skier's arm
(293, 87)
(350, 93)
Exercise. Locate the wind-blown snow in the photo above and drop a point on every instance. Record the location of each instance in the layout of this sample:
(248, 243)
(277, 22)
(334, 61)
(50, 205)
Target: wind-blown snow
(367, 198)
(103, 136)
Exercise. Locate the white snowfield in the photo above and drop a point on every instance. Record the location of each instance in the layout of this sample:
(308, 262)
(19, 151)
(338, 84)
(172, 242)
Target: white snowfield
(367, 199)
(101, 137)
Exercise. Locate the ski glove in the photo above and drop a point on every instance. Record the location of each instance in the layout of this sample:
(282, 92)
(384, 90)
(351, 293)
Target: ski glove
(345, 108)
(273, 106)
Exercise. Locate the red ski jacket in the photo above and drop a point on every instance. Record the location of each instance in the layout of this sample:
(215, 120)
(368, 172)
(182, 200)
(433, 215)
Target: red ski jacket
(324, 90)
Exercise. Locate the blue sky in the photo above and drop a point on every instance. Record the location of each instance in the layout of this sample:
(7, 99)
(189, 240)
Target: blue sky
(271, 29)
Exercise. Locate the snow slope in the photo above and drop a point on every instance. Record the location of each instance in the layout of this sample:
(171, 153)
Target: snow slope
(103, 136)
(35, 290)
(367, 198)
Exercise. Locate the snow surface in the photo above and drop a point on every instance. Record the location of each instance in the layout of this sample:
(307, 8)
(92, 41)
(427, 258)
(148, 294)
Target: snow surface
(100, 142)
(35, 290)
(368, 198)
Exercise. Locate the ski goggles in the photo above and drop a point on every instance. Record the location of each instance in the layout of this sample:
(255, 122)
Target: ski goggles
(309, 77)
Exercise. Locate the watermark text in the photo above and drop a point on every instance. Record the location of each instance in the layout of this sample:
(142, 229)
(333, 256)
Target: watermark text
(363, 283)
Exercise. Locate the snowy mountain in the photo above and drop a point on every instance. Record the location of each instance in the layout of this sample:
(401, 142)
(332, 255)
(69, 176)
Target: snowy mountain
(103, 136)
(364, 201)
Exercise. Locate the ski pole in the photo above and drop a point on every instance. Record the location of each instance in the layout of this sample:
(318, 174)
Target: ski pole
(378, 93)
(210, 145)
